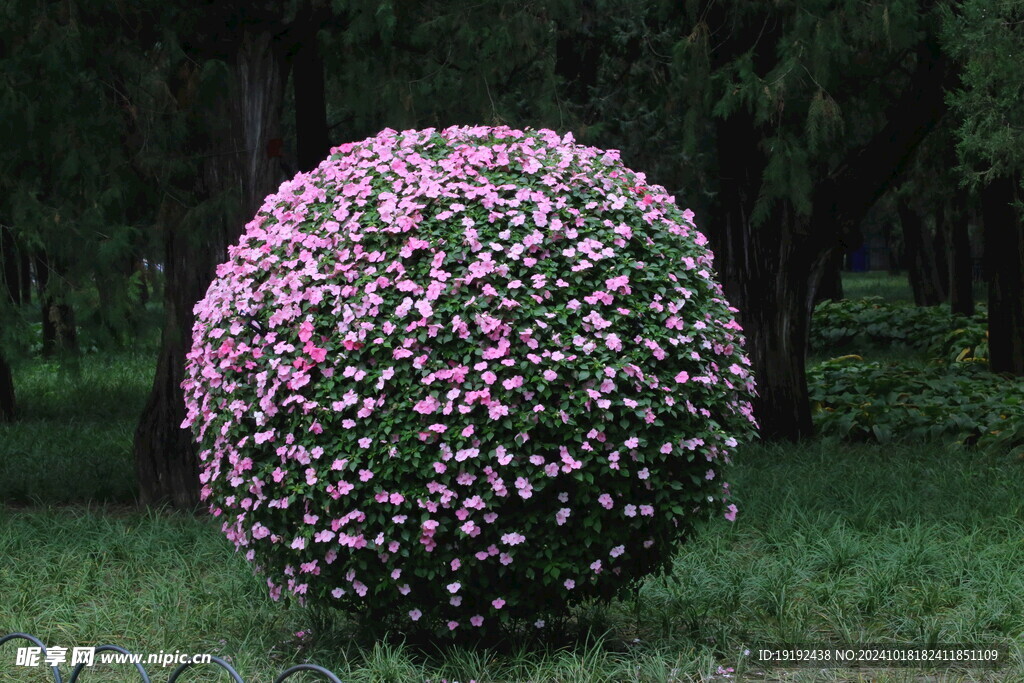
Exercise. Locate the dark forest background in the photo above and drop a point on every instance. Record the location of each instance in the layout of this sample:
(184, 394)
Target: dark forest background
(137, 138)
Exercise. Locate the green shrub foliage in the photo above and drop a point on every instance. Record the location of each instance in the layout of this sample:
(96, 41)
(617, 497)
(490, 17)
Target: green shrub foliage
(466, 376)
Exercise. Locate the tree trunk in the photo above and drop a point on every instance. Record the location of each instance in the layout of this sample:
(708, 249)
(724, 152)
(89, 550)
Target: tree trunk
(919, 257)
(7, 404)
(14, 268)
(59, 331)
(940, 253)
(312, 143)
(1004, 258)
(765, 276)
(961, 263)
(166, 462)
(775, 303)
(831, 286)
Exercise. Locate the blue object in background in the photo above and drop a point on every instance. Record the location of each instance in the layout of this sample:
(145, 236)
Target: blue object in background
(859, 260)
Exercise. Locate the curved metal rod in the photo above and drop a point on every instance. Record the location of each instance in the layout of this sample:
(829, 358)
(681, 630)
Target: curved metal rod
(287, 673)
(213, 660)
(109, 648)
(39, 643)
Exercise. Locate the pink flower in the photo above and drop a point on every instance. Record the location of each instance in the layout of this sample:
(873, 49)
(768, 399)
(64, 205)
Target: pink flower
(666, 448)
(454, 587)
(498, 604)
(477, 620)
(569, 584)
(427, 405)
(496, 410)
(731, 513)
(512, 538)
(606, 501)
(415, 614)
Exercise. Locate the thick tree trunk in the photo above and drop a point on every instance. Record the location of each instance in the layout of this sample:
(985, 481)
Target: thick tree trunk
(7, 404)
(166, 462)
(919, 256)
(768, 279)
(15, 278)
(775, 315)
(1004, 258)
(961, 263)
(12, 288)
(312, 143)
(831, 286)
(60, 334)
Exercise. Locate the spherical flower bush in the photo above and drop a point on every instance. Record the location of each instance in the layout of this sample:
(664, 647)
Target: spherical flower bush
(463, 377)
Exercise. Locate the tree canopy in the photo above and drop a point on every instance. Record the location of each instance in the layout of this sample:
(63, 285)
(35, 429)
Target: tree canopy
(149, 132)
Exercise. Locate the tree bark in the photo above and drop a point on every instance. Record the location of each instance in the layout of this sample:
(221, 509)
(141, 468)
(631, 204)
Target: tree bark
(1004, 258)
(772, 270)
(769, 276)
(940, 253)
(961, 263)
(14, 268)
(60, 334)
(919, 255)
(831, 286)
(166, 462)
(12, 288)
(7, 403)
(312, 142)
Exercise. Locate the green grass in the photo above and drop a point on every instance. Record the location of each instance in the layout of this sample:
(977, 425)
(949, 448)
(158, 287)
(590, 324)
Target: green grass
(73, 439)
(877, 283)
(835, 543)
(889, 287)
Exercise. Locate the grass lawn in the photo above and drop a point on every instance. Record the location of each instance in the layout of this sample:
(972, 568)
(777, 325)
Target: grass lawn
(835, 543)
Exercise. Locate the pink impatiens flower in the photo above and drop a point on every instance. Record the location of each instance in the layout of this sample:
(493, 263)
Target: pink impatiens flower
(472, 327)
